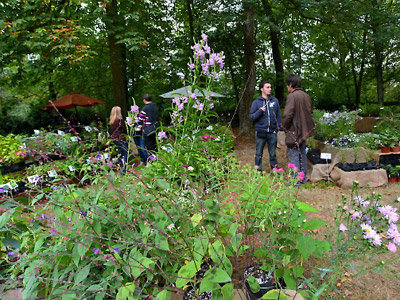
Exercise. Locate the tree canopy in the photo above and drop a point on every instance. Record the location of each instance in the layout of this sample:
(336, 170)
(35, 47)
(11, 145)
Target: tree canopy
(347, 52)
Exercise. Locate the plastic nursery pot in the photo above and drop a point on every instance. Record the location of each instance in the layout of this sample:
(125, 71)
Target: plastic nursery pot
(395, 149)
(385, 149)
(264, 278)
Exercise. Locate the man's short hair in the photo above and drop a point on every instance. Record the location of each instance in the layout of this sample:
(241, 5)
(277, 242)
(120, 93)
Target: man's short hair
(294, 81)
(261, 85)
(147, 97)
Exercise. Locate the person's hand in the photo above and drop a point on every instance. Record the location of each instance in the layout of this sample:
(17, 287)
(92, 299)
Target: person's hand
(263, 108)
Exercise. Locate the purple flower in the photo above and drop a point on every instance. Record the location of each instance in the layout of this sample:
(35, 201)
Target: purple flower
(390, 213)
(98, 155)
(135, 109)
(355, 215)
(211, 105)
(200, 107)
(342, 227)
(193, 95)
(1, 190)
(204, 36)
(84, 213)
(116, 249)
(191, 66)
(53, 230)
(162, 135)
(207, 49)
(392, 247)
(96, 251)
(47, 244)
(152, 157)
(129, 121)
(10, 253)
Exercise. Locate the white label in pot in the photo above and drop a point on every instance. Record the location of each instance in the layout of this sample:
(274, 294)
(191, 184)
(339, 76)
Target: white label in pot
(71, 168)
(52, 173)
(33, 179)
(326, 155)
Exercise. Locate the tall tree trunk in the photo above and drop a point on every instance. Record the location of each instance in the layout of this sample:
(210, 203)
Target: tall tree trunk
(357, 81)
(246, 126)
(378, 71)
(276, 54)
(117, 57)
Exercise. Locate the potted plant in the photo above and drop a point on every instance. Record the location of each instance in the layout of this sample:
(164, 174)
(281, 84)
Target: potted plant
(392, 171)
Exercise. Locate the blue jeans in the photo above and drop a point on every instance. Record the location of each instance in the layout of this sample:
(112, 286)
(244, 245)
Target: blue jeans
(139, 142)
(122, 147)
(272, 140)
(297, 156)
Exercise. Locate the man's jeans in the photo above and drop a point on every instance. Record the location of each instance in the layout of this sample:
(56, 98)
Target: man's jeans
(139, 142)
(297, 156)
(272, 140)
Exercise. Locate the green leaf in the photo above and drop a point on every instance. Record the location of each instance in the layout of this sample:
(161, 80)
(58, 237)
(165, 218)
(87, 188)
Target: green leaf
(196, 218)
(253, 284)
(162, 242)
(289, 280)
(216, 251)
(217, 275)
(200, 248)
(185, 274)
(126, 292)
(298, 271)
(274, 294)
(305, 207)
(313, 224)
(227, 291)
(6, 216)
(164, 295)
(82, 274)
(207, 285)
(306, 246)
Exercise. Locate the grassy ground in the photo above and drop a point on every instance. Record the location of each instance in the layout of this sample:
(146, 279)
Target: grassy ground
(325, 196)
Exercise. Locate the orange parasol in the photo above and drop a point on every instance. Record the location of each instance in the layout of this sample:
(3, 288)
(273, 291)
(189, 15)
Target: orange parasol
(72, 100)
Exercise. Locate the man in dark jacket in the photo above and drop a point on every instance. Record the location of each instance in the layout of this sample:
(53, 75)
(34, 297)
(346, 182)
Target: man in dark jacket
(297, 123)
(266, 115)
(148, 119)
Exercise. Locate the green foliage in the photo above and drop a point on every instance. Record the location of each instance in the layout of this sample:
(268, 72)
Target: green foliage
(10, 149)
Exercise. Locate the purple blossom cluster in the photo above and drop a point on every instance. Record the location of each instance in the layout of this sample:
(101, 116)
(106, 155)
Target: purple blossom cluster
(370, 214)
(209, 62)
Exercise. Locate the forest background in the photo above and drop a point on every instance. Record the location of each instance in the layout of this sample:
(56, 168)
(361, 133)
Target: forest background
(347, 53)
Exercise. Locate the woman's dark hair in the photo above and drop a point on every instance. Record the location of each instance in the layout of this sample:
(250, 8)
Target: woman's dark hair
(261, 85)
(294, 81)
(147, 97)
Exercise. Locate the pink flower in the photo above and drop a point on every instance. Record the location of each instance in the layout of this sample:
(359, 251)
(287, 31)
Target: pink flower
(191, 66)
(355, 215)
(193, 95)
(162, 135)
(292, 166)
(275, 169)
(301, 175)
(211, 105)
(200, 107)
(392, 247)
(342, 227)
(135, 109)
(204, 36)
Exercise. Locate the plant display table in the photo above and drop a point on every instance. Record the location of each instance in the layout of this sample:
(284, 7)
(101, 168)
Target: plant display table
(373, 178)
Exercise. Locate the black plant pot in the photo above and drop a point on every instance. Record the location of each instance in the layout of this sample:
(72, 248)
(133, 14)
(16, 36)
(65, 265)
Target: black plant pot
(264, 278)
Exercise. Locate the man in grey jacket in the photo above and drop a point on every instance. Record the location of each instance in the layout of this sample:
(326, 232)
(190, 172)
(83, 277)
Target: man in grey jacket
(297, 123)
(266, 115)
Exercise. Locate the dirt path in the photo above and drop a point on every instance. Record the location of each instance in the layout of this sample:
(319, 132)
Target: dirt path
(384, 284)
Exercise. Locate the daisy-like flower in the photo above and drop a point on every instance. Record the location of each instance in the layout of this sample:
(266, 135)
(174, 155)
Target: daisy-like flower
(342, 227)
(390, 213)
(392, 247)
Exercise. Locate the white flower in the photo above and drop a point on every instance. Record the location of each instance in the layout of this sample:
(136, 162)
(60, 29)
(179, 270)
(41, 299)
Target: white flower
(210, 127)
(190, 168)
(171, 226)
